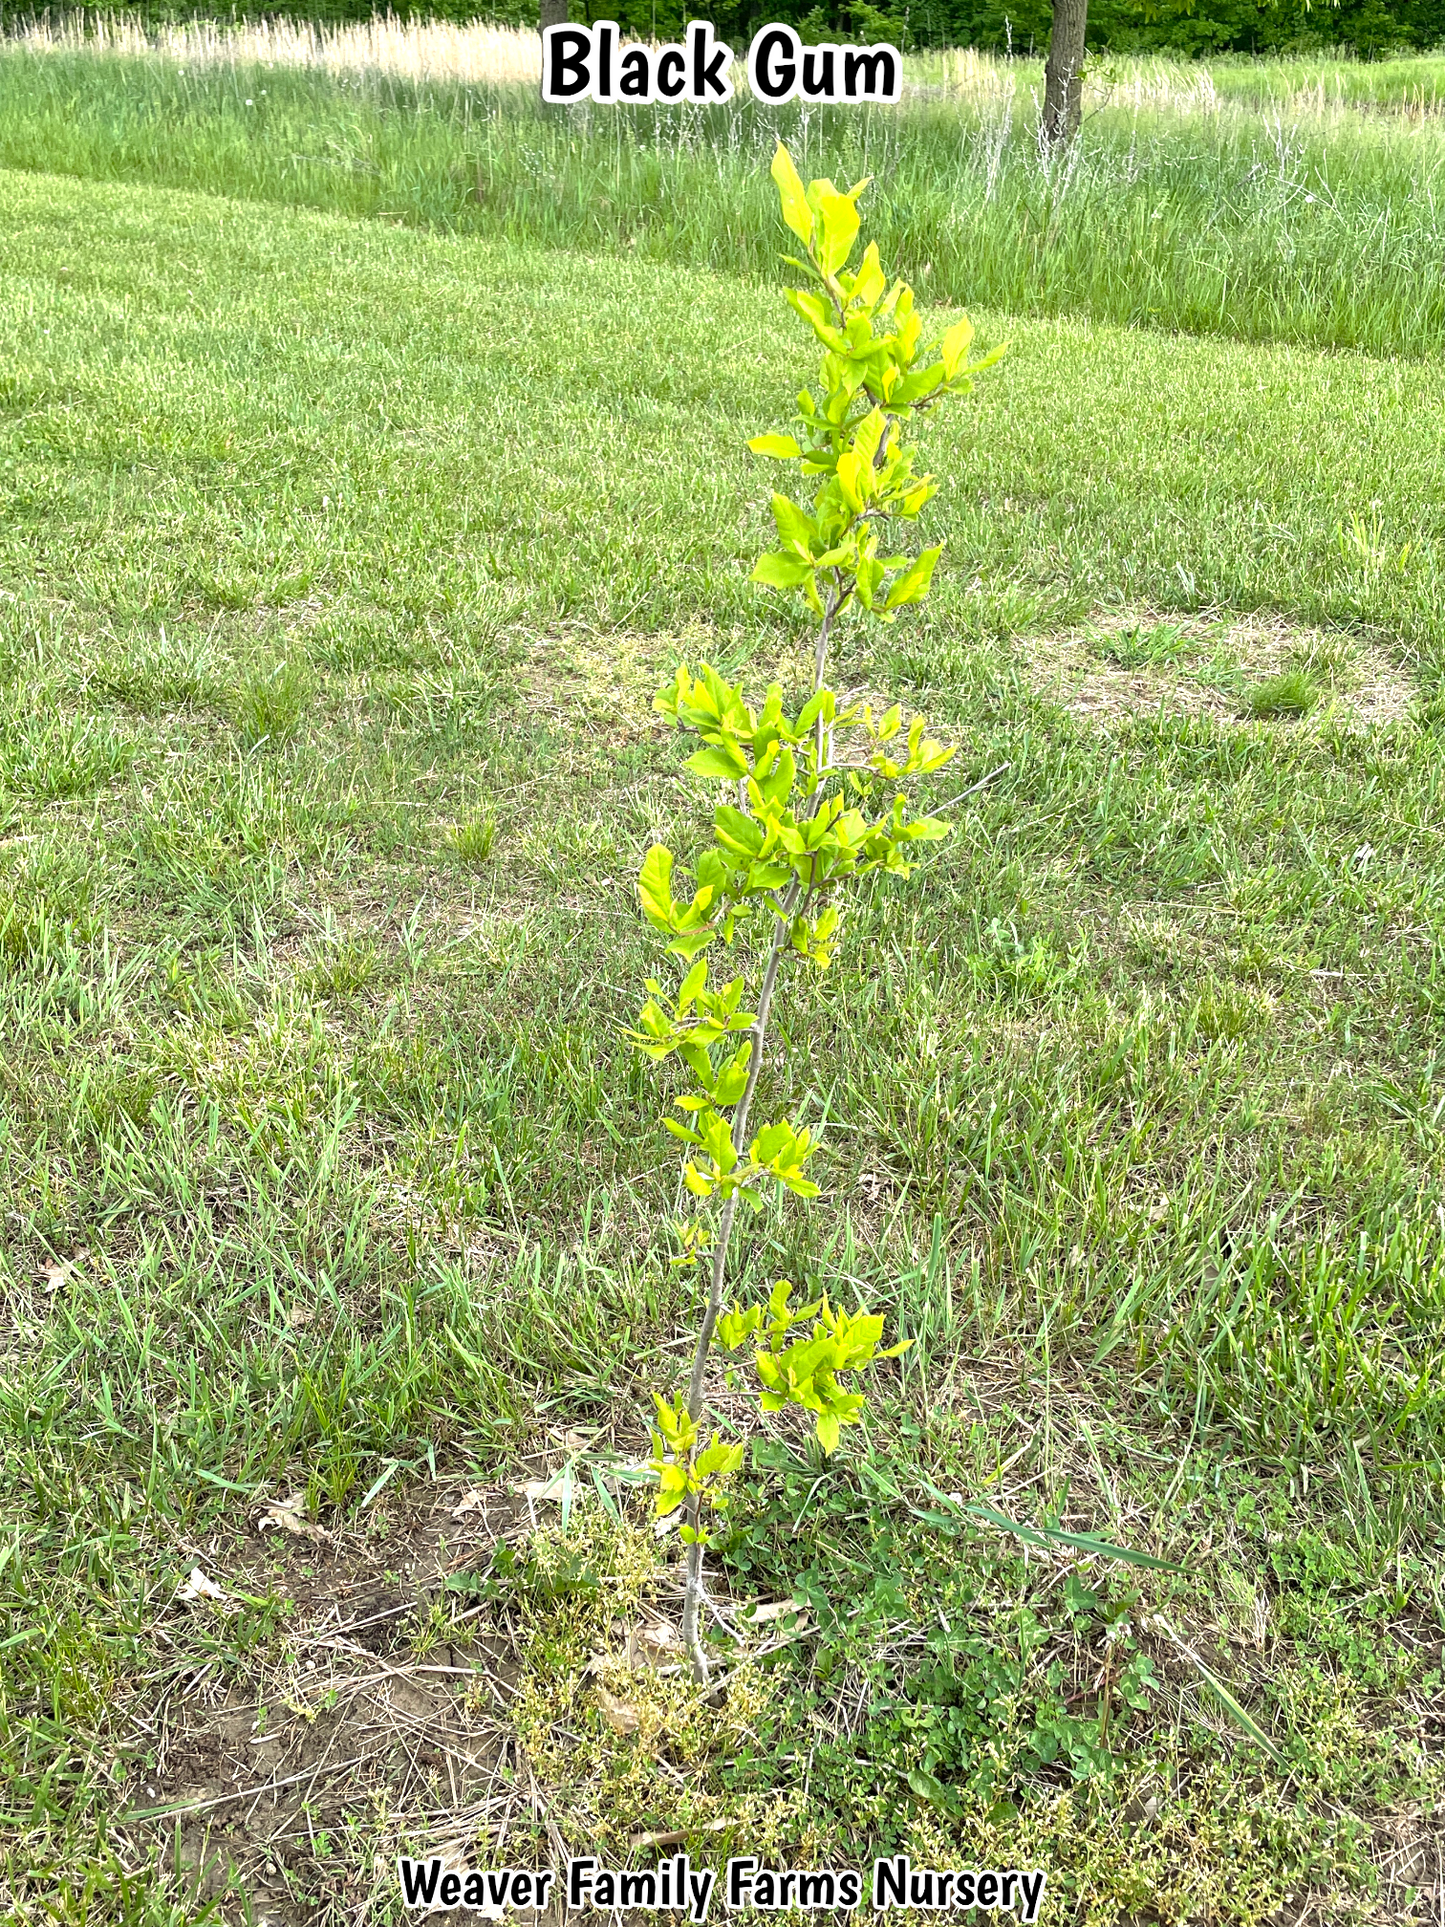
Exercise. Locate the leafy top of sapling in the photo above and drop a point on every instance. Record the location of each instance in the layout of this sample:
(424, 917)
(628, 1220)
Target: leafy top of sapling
(874, 371)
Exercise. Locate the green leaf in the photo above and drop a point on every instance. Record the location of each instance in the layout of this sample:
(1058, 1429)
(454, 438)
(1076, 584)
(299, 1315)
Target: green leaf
(691, 942)
(1052, 1536)
(868, 436)
(718, 759)
(699, 1063)
(796, 528)
(782, 446)
(914, 387)
(852, 481)
(735, 1326)
(719, 1459)
(778, 571)
(926, 829)
(870, 281)
(838, 215)
(732, 1080)
(654, 886)
(913, 586)
(930, 1789)
(736, 831)
(954, 346)
(816, 312)
(1227, 1700)
(796, 212)
(693, 983)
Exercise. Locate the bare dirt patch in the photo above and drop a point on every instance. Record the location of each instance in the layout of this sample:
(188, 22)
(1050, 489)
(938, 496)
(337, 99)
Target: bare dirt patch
(361, 1717)
(1141, 662)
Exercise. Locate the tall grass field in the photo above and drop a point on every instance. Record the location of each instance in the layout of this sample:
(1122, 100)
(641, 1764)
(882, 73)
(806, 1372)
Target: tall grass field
(372, 446)
(1279, 201)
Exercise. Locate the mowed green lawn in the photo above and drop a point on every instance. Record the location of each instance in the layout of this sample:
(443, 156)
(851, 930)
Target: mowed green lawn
(337, 566)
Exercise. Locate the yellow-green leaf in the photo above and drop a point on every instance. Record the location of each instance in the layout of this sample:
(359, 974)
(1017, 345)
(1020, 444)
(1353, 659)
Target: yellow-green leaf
(838, 214)
(850, 470)
(913, 586)
(955, 345)
(784, 447)
(796, 212)
(718, 759)
(776, 571)
(654, 886)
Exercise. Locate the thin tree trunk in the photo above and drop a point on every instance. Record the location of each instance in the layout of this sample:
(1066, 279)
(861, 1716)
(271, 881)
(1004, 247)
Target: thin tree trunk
(553, 13)
(1063, 85)
(692, 1598)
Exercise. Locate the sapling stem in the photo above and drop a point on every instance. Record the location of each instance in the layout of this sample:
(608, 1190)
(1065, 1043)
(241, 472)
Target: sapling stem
(820, 669)
(691, 1631)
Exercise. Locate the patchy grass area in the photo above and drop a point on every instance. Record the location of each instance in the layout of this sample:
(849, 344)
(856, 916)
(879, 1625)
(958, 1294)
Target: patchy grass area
(337, 564)
(1137, 663)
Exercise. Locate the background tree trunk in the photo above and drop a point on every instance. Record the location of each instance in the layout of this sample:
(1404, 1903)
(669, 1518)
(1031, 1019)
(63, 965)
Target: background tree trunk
(552, 13)
(1063, 88)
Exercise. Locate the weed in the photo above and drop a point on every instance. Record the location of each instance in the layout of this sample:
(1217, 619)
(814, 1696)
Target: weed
(472, 842)
(1140, 647)
(50, 758)
(1293, 692)
(342, 969)
(269, 705)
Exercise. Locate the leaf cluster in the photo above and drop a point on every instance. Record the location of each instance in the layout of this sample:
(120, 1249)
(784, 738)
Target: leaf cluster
(804, 1371)
(875, 372)
(689, 1479)
(786, 840)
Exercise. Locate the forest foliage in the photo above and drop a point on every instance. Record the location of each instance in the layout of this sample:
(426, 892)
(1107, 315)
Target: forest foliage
(1369, 29)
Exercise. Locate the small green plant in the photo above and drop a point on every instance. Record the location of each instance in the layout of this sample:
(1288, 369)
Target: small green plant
(472, 842)
(1142, 645)
(341, 969)
(806, 803)
(269, 705)
(1293, 693)
(48, 758)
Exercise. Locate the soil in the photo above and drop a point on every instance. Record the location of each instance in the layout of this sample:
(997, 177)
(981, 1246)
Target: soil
(245, 1780)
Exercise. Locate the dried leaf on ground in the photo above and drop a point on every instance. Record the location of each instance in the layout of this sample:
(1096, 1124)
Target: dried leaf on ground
(621, 1715)
(197, 1586)
(657, 1647)
(550, 1489)
(289, 1515)
(764, 1615)
(57, 1274)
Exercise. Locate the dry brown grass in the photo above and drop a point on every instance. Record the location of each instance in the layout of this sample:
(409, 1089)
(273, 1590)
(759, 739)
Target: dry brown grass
(417, 50)
(1214, 664)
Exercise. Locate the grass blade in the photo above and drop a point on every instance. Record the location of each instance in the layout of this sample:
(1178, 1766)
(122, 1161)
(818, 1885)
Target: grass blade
(1226, 1699)
(1086, 1542)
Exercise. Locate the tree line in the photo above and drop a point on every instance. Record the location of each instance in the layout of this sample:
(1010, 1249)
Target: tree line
(1369, 28)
